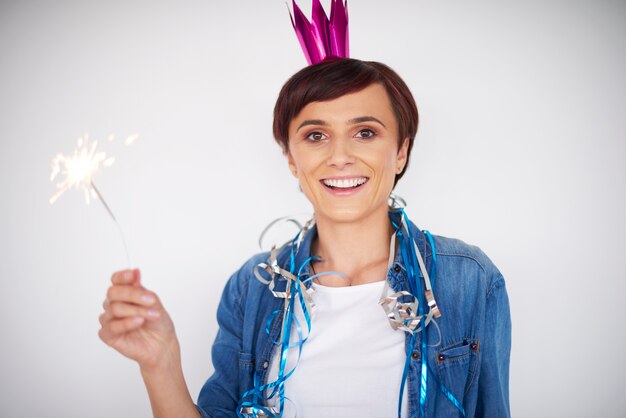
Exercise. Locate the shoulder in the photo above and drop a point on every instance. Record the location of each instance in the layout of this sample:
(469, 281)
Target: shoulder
(242, 277)
(457, 249)
(237, 288)
(467, 259)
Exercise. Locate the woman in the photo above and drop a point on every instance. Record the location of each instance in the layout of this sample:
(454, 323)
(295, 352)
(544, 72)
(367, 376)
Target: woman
(346, 128)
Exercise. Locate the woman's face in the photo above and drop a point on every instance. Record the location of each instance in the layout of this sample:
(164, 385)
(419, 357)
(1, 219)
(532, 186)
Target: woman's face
(345, 154)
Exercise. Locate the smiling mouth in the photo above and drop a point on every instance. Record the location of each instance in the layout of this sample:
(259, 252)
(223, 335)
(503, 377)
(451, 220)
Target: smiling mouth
(345, 184)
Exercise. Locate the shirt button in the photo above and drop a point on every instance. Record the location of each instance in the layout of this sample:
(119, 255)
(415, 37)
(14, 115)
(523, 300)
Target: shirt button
(266, 365)
(415, 355)
(396, 268)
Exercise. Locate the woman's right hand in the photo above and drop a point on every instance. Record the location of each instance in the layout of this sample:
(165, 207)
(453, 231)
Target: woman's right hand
(135, 323)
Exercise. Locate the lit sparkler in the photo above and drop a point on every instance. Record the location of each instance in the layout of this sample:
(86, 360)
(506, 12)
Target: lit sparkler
(78, 170)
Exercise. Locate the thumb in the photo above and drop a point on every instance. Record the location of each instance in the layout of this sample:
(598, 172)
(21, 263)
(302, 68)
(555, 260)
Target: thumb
(136, 278)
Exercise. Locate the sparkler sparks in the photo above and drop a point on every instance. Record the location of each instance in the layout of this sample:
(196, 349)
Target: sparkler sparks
(78, 170)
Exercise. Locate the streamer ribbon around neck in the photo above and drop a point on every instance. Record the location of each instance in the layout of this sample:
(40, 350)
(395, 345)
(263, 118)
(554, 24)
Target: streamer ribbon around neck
(406, 311)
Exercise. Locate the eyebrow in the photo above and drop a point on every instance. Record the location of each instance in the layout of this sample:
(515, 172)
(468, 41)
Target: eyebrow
(354, 121)
(311, 122)
(365, 119)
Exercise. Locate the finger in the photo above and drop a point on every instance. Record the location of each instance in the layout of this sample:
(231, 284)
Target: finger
(131, 294)
(120, 310)
(112, 330)
(137, 278)
(104, 318)
(117, 327)
(124, 276)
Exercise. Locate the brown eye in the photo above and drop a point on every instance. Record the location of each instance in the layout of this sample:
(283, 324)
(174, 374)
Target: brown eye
(366, 134)
(316, 136)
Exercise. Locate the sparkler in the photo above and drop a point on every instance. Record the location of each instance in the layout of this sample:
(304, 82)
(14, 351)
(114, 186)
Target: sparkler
(78, 170)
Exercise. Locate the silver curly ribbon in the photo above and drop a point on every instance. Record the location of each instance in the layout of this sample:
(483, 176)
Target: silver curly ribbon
(276, 272)
(252, 411)
(396, 202)
(404, 315)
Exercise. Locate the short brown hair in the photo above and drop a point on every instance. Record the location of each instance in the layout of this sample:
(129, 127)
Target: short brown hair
(337, 77)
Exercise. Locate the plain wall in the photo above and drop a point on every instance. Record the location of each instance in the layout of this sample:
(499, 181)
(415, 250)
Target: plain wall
(521, 150)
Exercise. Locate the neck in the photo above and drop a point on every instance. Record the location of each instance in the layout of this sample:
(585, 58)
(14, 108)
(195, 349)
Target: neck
(360, 250)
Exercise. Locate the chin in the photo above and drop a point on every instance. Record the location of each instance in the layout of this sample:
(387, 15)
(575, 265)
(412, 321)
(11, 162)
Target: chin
(340, 217)
(351, 214)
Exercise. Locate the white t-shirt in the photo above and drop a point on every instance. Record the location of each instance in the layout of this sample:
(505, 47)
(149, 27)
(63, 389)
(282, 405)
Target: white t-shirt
(352, 363)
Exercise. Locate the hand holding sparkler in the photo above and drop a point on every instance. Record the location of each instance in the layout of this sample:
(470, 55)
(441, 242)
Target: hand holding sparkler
(135, 323)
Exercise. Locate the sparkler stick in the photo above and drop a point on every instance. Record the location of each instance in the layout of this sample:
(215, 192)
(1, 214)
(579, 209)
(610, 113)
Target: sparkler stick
(119, 227)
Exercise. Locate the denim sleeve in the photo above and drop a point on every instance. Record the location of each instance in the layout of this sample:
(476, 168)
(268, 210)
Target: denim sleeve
(219, 396)
(493, 383)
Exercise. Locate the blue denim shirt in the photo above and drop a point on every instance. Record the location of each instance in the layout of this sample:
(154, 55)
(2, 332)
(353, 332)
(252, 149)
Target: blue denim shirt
(472, 360)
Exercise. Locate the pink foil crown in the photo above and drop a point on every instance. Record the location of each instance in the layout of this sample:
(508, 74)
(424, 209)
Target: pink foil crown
(322, 37)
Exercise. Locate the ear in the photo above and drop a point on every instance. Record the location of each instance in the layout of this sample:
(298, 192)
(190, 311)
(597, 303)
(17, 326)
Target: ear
(291, 163)
(401, 157)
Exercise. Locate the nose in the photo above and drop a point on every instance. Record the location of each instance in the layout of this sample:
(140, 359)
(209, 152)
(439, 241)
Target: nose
(340, 153)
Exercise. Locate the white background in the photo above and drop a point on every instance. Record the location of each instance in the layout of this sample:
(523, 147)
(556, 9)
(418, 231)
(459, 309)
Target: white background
(521, 150)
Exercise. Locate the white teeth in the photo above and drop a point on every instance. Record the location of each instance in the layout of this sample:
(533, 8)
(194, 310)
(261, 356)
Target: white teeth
(345, 183)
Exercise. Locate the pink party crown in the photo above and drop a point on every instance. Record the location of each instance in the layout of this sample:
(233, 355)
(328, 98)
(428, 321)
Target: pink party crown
(322, 37)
